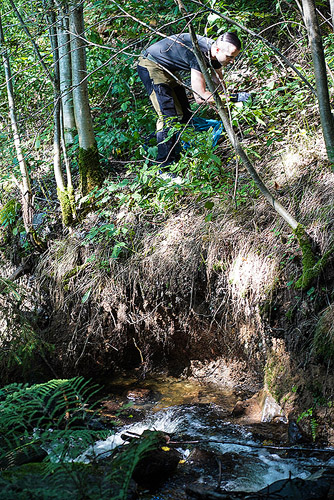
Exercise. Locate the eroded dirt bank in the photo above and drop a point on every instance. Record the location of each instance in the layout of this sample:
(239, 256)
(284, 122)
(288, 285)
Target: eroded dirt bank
(197, 296)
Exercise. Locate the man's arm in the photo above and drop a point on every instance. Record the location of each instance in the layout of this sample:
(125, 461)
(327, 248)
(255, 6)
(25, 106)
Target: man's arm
(199, 86)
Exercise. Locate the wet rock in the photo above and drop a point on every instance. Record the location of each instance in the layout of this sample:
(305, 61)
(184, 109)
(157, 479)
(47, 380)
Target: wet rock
(272, 411)
(248, 409)
(295, 434)
(203, 458)
(270, 433)
(156, 468)
(316, 488)
(296, 489)
(139, 395)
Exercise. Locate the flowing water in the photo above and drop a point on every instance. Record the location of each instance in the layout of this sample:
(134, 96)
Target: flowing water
(189, 412)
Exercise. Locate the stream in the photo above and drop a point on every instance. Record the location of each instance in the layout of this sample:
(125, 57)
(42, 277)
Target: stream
(225, 451)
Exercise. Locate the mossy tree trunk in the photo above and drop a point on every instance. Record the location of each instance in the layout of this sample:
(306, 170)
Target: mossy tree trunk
(65, 193)
(318, 58)
(89, 163)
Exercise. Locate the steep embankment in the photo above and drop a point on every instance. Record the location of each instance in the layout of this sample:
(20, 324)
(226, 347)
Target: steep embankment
(200, 288)
(204, 290)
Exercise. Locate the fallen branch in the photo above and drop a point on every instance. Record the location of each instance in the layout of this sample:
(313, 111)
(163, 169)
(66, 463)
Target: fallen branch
(311, 268)
(257, 446)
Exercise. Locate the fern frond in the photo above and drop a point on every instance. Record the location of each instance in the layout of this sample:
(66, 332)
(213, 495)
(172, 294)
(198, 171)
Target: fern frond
(52, 417)
(128, 457)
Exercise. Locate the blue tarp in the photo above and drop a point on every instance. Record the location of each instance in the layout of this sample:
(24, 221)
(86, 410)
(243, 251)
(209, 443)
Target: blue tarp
(203, 124)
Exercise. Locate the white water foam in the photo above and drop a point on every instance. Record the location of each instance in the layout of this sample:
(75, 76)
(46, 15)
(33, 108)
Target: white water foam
(164, 421)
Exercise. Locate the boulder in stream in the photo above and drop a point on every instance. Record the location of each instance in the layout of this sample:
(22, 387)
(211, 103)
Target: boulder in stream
(156, 467)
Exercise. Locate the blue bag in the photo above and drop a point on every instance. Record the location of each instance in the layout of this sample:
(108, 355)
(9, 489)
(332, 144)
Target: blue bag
(203, 124)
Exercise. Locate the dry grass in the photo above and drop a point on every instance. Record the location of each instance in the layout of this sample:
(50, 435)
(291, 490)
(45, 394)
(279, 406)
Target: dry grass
(323, 342)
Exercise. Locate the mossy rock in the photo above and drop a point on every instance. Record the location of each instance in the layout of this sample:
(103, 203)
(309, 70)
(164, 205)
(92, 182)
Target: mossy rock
(278, 377)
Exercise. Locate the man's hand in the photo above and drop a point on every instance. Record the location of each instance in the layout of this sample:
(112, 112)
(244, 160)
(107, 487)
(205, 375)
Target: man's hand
(240, 97)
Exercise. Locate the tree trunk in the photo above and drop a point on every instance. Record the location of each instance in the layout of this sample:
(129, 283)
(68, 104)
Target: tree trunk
(65, 196)
(331, 5)
(326, 117)
(65, 74)
(25, 187)
(89, 164)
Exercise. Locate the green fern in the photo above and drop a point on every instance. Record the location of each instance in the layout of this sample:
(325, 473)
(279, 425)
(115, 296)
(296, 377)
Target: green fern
(128, 457)
(53, 417)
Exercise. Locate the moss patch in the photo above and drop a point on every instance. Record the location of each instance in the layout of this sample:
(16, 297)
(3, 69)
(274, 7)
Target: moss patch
(278, 378)
(311, 267)
(89, 168)
(67, 205)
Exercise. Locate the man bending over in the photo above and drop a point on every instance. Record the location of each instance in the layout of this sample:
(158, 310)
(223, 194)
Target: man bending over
(158, 69)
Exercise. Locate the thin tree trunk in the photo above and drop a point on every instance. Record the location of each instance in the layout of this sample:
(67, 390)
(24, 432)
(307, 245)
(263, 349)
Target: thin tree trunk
(308, 258)
(230, 132)
(326, 117)
(25, 186)
(331, 5)
(89, 164)
(65, 73)
(67, 210)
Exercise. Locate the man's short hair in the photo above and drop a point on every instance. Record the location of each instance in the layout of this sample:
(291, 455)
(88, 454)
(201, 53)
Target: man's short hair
(229, 37)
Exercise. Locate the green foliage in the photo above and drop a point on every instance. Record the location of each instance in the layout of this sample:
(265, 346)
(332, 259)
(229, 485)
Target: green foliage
(312, 421)
(8, 213)
(57, 416)
(108, 233)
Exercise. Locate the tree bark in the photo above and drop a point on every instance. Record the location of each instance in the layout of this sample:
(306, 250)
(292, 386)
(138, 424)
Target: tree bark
(89, 164)
(326, 117)
(65, 74)
(64, 195)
